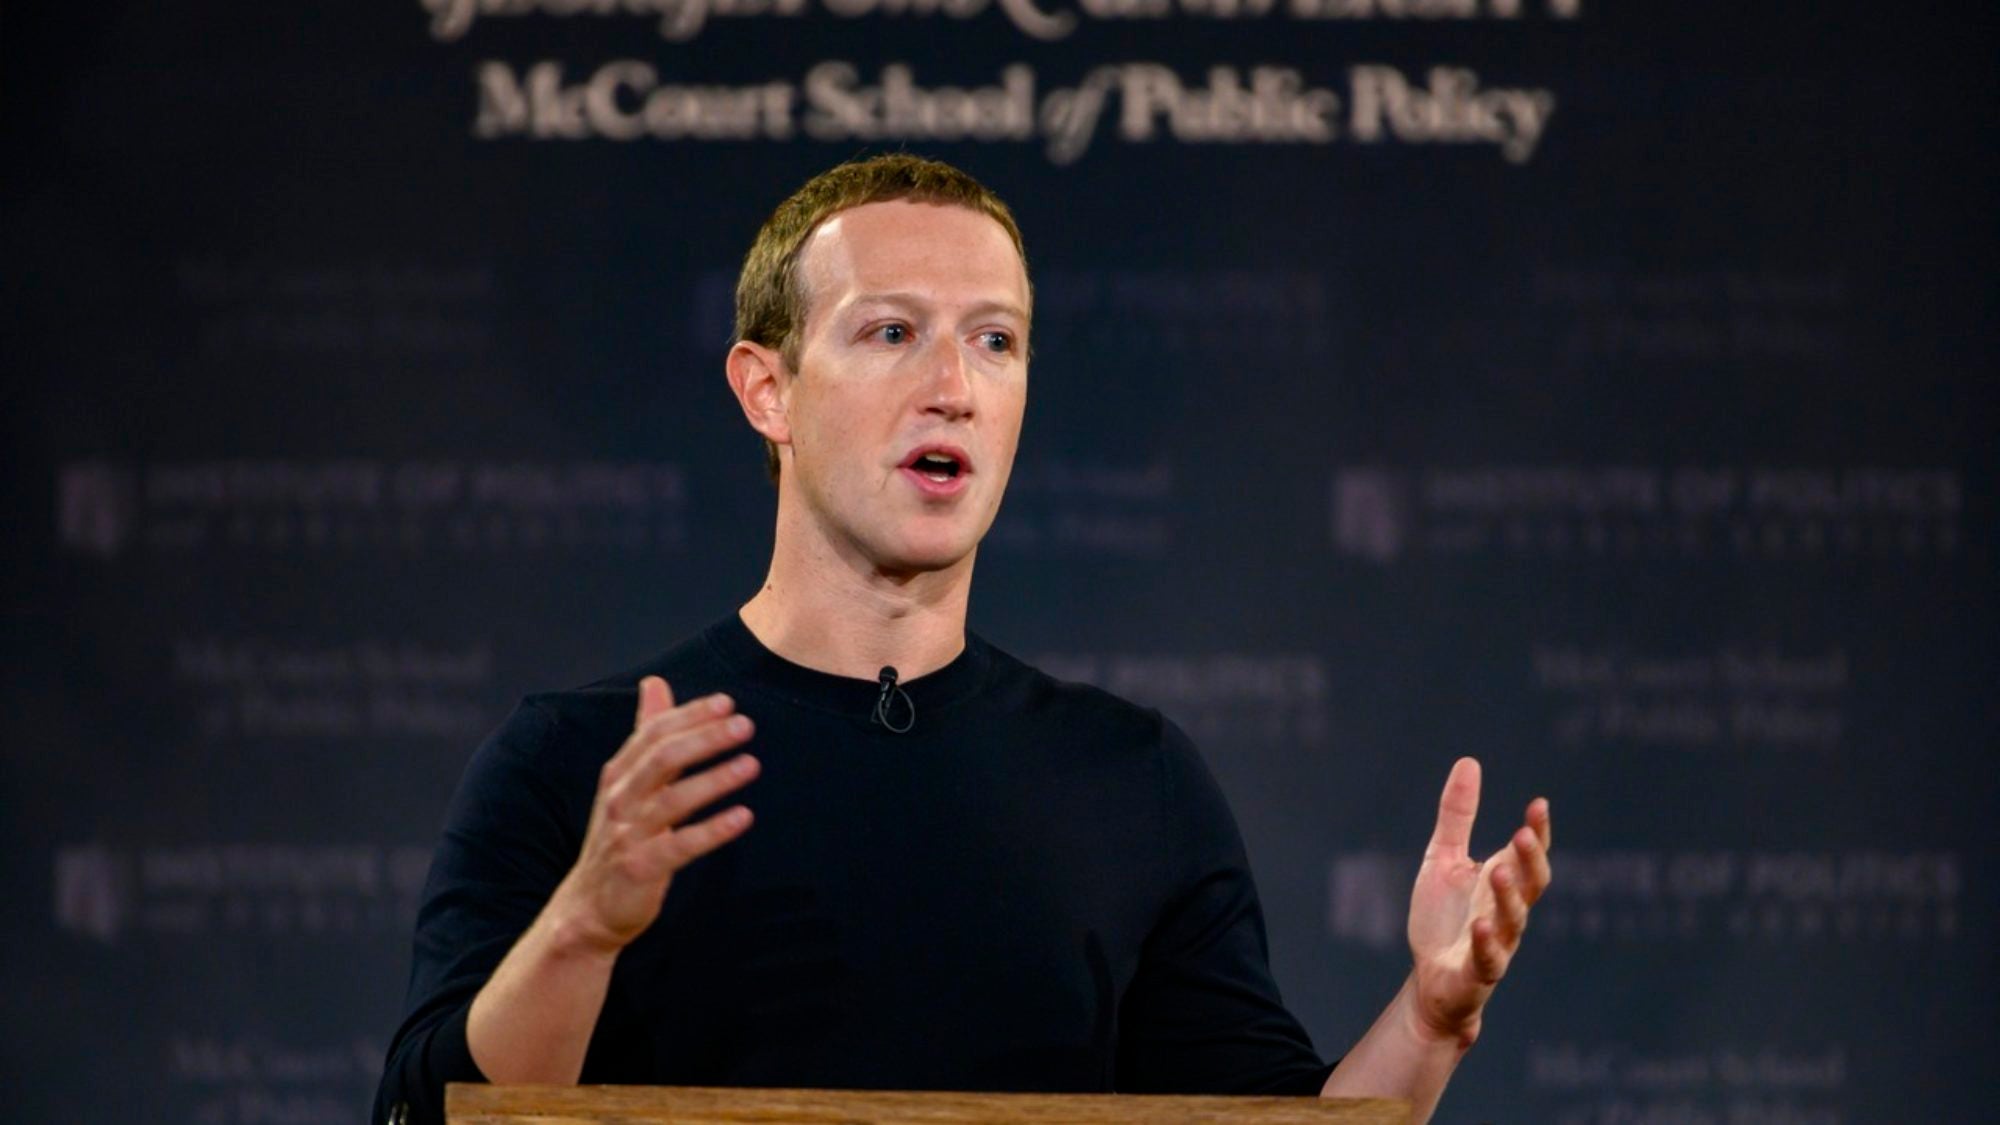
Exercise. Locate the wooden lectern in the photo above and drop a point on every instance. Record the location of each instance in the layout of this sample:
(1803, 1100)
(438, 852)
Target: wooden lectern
(472, 1104)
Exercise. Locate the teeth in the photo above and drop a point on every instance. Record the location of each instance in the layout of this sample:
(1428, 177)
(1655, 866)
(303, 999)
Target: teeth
(936, 467)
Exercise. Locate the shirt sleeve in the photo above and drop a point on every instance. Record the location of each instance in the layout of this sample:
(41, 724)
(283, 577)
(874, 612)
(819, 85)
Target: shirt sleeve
(512, 833)
(1202, 1014)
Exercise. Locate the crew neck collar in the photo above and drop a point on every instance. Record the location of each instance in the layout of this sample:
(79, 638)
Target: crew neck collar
(738, 648)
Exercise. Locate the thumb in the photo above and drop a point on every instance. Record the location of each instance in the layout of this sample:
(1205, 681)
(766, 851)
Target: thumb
(655, 698)
(1456, 809)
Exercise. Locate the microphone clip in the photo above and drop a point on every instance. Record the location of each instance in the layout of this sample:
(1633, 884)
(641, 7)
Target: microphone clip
(886, 710)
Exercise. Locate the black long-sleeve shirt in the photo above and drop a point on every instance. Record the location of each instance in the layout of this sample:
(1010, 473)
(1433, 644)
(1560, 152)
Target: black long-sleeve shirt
(1038, 887)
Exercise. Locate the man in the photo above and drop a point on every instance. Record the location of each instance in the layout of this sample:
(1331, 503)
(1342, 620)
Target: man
(965, 874)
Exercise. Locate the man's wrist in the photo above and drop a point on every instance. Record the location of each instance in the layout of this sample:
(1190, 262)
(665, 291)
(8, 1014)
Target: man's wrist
(572, 935)
(1425, 1032)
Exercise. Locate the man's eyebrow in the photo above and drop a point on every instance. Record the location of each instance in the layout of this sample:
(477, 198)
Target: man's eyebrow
(913, 300)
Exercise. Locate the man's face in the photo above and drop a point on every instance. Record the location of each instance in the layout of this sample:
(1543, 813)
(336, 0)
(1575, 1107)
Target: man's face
(906, 405)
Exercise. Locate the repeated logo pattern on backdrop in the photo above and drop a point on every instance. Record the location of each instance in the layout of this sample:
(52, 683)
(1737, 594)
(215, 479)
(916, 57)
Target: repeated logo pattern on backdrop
(1604, 389)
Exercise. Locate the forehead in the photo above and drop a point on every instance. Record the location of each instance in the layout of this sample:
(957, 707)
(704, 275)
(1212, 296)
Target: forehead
(945, 252)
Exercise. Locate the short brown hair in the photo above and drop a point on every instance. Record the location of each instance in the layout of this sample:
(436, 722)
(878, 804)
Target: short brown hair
(771, 303)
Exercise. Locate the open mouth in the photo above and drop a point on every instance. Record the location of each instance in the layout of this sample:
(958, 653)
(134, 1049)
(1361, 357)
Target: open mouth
(939, 467)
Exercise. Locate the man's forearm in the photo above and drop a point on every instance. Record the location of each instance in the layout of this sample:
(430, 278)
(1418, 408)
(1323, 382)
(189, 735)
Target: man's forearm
(533, 1021)
(1399, 1057)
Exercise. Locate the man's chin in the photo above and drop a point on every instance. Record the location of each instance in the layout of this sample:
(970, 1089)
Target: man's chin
(926, 556)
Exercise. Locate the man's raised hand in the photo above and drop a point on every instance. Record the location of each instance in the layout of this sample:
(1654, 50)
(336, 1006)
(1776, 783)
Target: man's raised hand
(1466, 918)
(638, 835)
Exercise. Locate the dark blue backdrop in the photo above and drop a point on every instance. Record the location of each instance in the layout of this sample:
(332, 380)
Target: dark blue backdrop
(1604, 389)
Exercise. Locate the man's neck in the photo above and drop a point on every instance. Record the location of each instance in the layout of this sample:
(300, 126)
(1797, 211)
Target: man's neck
(833, 615)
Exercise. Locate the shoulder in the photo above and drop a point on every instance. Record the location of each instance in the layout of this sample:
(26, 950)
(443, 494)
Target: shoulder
(1152, 761)
(1071, 699)
(565, 737)
(1106, 718)
(590, 721)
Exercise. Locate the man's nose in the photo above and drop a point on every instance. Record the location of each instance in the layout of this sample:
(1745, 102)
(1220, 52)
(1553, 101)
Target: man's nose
(948, 385)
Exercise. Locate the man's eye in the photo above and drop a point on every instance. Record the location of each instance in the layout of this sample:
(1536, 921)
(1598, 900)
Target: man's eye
(997, 341)
(894, 333)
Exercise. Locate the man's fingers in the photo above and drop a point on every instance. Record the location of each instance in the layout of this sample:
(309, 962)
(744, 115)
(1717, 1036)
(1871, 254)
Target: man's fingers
(1510, 910)
(1540, 820)
(690, 794)
(1456, 809)
(685, 845)
(671, 755)
(1533, 861)
(1489, 954)
(655, 698)
(658, 727)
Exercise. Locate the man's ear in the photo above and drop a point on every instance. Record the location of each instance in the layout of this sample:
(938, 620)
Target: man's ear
(763, 386)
